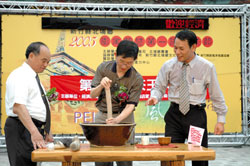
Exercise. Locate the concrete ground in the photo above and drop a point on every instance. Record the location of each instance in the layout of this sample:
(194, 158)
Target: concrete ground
(225, 156)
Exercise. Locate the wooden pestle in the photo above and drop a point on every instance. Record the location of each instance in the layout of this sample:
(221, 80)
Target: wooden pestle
(75, 145)
(109, 103)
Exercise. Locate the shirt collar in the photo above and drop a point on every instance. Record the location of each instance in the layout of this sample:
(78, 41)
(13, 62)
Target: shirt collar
(29, 69)
(191, 63)
(127, 74)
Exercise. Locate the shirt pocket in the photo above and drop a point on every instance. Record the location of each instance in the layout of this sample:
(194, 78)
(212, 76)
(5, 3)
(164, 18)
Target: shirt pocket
(197, 87)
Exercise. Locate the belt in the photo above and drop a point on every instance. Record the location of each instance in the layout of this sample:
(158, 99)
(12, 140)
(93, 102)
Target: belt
(105, 112)
(198, 106)
(37, 123)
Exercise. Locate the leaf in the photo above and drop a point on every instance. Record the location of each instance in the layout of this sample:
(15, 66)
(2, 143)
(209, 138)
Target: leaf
(51, 91)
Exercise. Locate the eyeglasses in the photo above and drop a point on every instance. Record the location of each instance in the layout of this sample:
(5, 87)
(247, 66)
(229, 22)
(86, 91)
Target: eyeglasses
(122, 62)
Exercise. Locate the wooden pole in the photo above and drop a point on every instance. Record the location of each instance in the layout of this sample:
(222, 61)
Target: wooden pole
(109, 103)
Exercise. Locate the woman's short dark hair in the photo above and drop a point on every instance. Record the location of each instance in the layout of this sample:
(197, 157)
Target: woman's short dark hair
(35, 48)
(127, 48)
(187, 35)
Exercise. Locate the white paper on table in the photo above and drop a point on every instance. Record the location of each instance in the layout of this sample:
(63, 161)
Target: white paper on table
(195, 135)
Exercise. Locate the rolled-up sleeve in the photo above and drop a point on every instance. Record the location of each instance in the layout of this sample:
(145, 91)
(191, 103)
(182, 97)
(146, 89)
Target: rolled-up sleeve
(160, 83)
(219, 105)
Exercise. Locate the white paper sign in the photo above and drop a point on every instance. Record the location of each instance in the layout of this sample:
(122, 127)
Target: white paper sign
(195, 135)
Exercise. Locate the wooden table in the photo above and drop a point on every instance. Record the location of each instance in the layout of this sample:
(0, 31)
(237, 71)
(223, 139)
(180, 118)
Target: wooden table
(167, 156)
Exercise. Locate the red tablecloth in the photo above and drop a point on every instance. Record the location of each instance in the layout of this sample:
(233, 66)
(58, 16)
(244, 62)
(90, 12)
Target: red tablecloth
(156, 146)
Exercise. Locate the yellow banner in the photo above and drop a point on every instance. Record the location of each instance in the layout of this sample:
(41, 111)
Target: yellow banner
(79, 52)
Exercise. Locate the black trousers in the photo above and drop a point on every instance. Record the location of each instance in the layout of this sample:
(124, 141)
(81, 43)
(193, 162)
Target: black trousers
(18, 142)
(177, 125)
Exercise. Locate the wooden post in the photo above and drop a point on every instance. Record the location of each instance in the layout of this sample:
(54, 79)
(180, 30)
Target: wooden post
(71, 163)
(172, 163)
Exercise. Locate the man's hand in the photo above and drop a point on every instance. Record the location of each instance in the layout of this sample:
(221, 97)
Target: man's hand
(106, 82)
(112, 121)
(219, 128)
(37, 140)
(96, 91)
(49, 137)
(151, 101)
(23, 114)
(124, 114)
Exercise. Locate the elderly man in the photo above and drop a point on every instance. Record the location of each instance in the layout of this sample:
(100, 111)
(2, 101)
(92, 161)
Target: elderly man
(27, 107)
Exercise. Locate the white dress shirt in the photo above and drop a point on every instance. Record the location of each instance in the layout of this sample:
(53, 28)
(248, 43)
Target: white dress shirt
(22, 88)
(201, 75)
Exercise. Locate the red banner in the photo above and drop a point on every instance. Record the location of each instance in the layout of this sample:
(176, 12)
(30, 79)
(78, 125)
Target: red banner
(148, 84)
(78, 87)
(72, 87)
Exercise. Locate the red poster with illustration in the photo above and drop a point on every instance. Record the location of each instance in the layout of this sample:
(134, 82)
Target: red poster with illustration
(78, 87)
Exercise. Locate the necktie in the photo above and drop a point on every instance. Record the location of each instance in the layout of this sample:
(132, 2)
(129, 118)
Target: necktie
(184, 92)
(47, 125)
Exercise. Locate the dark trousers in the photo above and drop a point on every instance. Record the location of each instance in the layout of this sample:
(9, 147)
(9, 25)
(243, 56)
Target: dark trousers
(177, 125)
(18, 142)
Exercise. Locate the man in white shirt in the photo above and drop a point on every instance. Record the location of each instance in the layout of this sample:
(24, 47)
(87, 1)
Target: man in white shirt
(197, 74)
(26, 107)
